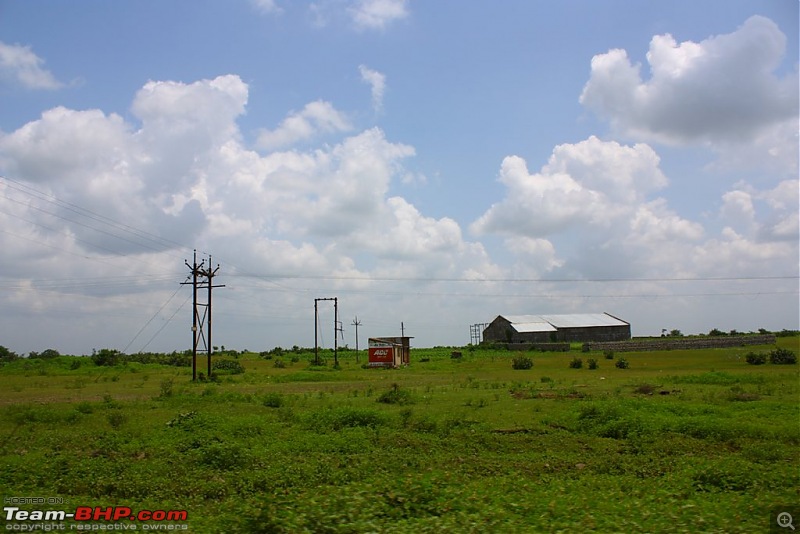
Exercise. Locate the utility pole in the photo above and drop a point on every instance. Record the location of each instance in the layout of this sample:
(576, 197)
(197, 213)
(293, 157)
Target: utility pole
(202, 278)
(356, 323)
(336, 329)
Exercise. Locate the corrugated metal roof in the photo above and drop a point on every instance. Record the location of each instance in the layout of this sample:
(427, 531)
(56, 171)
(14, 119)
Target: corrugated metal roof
(539, 323)
(581, 320)
(529, 323)
(533, 327)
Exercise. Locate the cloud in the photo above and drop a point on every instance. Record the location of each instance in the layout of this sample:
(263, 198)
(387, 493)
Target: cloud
(316, 117)
(590, 212)
(769, 216)
(20, 65)
(723, 90)
(267, 7)
(377, 82)
(589, 183)
(376, 14)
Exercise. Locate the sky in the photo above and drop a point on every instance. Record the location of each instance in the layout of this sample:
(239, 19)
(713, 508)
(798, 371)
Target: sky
(432, 165)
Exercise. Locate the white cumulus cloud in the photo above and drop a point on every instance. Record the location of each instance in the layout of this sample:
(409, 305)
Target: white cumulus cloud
(723, 91)
(19, 64)
(316, 117)
(591, 182)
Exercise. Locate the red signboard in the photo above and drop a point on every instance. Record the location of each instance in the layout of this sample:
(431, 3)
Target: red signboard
(384, 354)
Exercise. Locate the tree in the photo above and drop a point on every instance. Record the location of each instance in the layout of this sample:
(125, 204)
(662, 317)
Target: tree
(49, 354)
(7, 355)
(107, 357)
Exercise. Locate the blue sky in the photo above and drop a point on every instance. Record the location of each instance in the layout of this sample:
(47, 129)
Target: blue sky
(434, 163)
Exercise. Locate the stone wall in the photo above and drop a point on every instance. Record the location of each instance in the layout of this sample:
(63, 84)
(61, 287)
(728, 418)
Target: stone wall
(681, 343)
(553, 347)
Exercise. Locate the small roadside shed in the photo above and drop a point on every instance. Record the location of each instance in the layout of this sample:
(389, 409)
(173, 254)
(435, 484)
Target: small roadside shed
(389, 351)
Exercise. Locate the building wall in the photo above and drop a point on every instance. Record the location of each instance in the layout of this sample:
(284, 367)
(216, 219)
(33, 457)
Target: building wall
(498, 330)
(594, 333)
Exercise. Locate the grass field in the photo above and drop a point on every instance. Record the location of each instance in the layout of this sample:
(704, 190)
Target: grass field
(681, 441)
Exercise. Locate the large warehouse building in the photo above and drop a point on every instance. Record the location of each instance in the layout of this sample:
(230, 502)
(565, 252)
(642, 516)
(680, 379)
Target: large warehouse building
(580, 327)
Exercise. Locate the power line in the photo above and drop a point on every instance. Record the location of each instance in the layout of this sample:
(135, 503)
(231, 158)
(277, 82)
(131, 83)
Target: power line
(283, 276)
(151, 320)
(165, 324)
(87, 213)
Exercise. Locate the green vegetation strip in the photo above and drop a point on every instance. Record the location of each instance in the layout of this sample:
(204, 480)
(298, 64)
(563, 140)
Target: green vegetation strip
(493, 441)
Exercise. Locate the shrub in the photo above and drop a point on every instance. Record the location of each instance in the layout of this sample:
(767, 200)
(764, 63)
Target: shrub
(396, 396)
(84, 408)
(75, 364)
(106, 357)
(7, 355)
(576, 363)
(273, 400)
(278, 364)
(343, 417)
(609, 354)
(233, 367)
(522, 362)
(48, 354)
(782, 357)
(622, 363)
(116, 419)
(166, 388)
(592, 363)
(754, 358)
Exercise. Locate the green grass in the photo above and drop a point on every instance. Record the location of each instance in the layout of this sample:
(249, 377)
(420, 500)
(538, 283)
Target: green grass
(692, 441)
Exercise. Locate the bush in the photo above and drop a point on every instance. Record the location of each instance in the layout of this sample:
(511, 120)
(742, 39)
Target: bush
(609, 354)
(273, 400)
(522, 362)
(106, 357)
(396, 396)
(592, 363)
(278, 364)
(782, 357)
(231, 366)
(576, 363)
(166, 388)
(754, 358)
(116, 419)
(7, 355)
(48, 354)
(622, 363)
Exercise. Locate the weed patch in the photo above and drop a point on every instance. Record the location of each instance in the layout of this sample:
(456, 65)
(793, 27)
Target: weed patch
(396, 395)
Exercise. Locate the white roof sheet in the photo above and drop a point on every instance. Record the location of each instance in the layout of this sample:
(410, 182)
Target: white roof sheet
(533, 327)
(539, 323)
